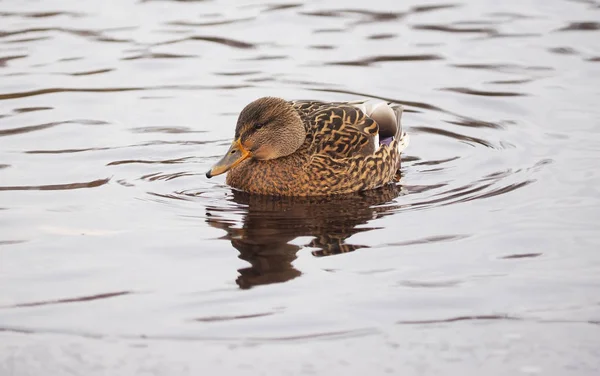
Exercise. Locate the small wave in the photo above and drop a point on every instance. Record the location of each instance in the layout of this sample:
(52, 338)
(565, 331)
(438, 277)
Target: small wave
(388, 58)
(422, 105)
(11, 242)
(5, 59)
(171, 130)
(427, 240)
(210, 23)
(505, 68)
(166, 177)
(56, 187)
(464, 90)
(142, 161)
(474, 123)
(434, 162)
(322, 47)
(27, 129)
(521, 255)
(32, 93)
(231, 318)
(382, 36)
(581, 26)
(563, 50)
(219, 40)
(460, 318)
(455, 29)
(433, 7)
(33, 128)
(145, 144)
(278, 7)
(266, 57)
(365, 16)
(469, 192)
(510, 16)
(64, 151)
(78, 299)
(329, 30)
(41, 14)
(240, 73)
(151, 56)
(511, 82)
(457, 136)
(96, 35)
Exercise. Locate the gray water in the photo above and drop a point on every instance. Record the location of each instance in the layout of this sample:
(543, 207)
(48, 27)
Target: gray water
(118, 257)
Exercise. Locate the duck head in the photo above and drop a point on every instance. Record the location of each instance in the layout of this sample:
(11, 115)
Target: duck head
(267, 128)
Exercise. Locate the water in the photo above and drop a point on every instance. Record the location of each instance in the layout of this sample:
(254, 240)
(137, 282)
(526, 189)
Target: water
(117, 255)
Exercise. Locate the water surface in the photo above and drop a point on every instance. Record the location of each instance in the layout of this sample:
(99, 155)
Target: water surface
(118, 256)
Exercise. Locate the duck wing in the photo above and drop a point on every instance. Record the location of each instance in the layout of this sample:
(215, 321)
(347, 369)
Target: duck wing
(346, 154)
(306, 108)
(342, 131)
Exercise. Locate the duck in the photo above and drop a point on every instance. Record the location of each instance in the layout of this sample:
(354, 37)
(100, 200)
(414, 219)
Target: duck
(314, 148)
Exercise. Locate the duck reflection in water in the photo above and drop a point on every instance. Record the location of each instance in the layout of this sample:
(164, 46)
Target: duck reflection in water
(269, 224)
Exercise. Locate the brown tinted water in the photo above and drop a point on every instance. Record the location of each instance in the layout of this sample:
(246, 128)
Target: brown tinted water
(117, 255)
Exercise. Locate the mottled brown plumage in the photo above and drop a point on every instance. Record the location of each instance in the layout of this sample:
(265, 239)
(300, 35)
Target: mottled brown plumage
(310, 148)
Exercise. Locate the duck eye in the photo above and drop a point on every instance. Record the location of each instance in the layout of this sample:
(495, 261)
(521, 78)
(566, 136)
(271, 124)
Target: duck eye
(259, 125)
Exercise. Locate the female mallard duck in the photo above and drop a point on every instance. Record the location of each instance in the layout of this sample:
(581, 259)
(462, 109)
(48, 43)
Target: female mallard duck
(309, 148)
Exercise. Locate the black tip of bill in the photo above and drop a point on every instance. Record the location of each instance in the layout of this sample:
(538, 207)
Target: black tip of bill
(208, 174)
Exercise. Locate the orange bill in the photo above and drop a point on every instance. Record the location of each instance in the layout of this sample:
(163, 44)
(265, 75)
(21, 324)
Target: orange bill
(235, 155)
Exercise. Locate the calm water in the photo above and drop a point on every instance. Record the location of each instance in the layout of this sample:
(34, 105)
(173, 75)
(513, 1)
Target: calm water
(117, 255)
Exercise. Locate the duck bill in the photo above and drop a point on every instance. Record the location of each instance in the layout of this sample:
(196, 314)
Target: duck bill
(234, 156)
